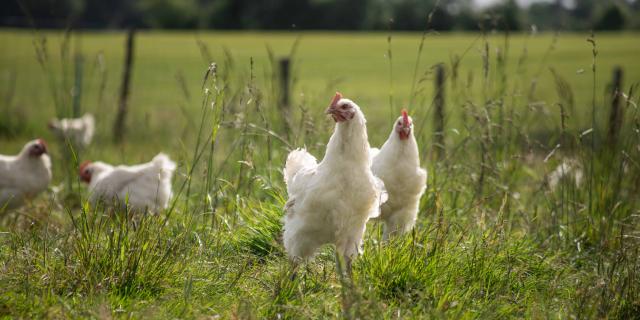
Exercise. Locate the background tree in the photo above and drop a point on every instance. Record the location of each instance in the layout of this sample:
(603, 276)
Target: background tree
(320, 14)
(169, 14)
(503, 16)
(611, 18)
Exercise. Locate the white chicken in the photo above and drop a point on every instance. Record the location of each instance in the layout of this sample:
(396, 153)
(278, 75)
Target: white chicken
(397, 163)
(143, 187)
(569, 169)
(331, 201)
(24, 175)
(78, 131)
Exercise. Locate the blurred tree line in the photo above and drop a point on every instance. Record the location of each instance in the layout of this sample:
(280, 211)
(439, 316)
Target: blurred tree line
(321, 14)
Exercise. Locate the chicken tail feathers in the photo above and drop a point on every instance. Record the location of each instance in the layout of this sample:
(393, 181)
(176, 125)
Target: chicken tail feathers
(165, 165)
(383, 196)
(89, 122)
(296, 160)
(89, 119)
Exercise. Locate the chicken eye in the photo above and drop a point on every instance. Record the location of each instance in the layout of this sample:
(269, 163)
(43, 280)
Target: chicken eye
(399, 122)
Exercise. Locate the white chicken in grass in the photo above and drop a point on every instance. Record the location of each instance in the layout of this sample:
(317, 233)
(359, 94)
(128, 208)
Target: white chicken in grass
(331, 201)
(397, 163)
(569, 169)
(78, 131)
(144, 186)
(24, 175)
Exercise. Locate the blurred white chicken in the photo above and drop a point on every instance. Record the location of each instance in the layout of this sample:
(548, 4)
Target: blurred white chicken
(24, 175)
(331, 201)
(569, 169)
(397, 163)
(78, 131)
(144, 186)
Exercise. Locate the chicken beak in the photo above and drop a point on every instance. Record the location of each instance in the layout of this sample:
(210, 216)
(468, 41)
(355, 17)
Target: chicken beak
(335, 113)
(406, 123)
(85, 178)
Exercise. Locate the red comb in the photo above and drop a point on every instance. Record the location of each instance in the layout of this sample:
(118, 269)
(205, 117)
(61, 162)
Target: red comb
(405, 117)
(84, 177)
(336, 98)
(43, 144)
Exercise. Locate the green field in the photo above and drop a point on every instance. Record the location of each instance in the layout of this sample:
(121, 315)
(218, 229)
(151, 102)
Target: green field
(355, 64)
(492, 240)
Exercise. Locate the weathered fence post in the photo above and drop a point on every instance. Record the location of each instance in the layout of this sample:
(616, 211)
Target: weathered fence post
(285, 82)
(438, 119)
(616, 115)
(118, 127)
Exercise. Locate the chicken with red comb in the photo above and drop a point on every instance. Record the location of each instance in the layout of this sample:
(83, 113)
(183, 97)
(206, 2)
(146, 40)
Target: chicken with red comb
(330, 202)
(24, 175)
(142, 187)
(397, 163)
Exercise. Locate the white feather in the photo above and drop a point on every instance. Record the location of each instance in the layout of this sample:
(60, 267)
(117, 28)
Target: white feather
(297, 160)
(143, 186)
(23, 176)
(373, 152)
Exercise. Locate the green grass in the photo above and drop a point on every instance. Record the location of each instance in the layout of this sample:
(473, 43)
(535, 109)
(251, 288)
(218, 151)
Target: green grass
(492, 239)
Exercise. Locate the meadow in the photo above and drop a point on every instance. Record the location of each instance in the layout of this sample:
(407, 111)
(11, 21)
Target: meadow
(493, 239)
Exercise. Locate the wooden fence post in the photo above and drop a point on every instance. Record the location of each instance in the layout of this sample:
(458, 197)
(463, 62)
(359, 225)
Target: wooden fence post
(285, 82)
(118, 127)
(438, 119)
(616, 115)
